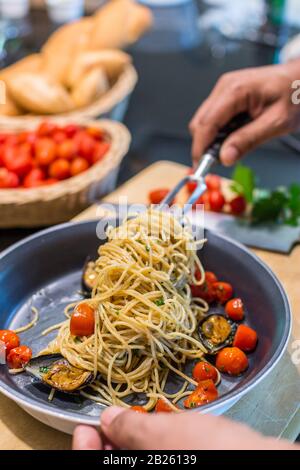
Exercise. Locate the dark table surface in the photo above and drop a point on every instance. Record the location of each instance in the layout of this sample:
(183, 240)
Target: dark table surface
(171, 86)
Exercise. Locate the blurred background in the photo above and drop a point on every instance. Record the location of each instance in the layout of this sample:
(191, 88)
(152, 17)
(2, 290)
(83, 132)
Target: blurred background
(192, 43)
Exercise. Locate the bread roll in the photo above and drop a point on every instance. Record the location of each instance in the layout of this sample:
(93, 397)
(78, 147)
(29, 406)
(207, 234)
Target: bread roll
(10, 108)
(39, 94)
(64, 45)
(90, 87)
(119, 23)
(111, 61)
(32, 63)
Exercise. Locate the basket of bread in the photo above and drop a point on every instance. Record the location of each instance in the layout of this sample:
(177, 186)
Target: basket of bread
(51, 172)
(80, 72)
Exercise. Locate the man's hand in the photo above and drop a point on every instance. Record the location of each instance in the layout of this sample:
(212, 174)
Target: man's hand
(265, 93)
(126, 429)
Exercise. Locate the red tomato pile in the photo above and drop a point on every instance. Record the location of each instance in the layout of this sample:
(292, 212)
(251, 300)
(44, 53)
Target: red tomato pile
(49, 154)
(214, 200)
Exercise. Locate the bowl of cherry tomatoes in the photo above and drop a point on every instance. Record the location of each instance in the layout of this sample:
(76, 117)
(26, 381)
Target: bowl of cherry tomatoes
(51, 172)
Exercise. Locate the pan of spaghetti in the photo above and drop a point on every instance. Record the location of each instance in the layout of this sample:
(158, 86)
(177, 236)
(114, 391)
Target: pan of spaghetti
(139, 313)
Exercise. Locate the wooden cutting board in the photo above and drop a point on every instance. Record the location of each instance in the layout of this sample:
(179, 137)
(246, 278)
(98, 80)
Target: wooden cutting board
(271, 407)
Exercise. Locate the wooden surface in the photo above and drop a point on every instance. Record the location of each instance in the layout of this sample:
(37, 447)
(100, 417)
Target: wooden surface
(270, 408)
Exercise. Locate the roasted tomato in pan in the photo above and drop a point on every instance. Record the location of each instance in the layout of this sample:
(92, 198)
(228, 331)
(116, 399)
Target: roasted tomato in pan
(205, 392)
(204, 371)
(138, 409)
(10, 339)
(232, 361)
(245, 338)
(82, 321)
(18, 357)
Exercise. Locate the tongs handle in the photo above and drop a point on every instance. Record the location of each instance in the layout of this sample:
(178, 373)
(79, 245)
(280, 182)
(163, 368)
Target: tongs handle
(240, 120)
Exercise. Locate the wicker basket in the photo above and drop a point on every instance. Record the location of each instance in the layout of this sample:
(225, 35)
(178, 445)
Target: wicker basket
(112, 105)
(49, 205)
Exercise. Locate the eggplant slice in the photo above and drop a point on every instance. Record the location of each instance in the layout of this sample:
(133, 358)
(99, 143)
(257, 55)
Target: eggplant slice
(56, 372)
(216, 331)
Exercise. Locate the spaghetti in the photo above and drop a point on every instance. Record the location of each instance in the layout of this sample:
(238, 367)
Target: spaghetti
(145, 326)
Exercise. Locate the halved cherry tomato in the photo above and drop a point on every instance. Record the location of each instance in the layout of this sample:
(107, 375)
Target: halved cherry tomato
(8, 179)
(213, 182)
(191, 185)
(245, 338)
(67, 149)
(162, 406)
(238, 205)
(79, 165)
(216, 200)
(45, 151)
(205, 291)
(138, 409)
(10, 339)
(231, 361)
(60, 169)
(223, 291)
(204, 371)
(235, 309)
(82, 320)
(203, 200)
(101, 148)
(34, 178)
(205, 393)
(156, 196)
(19, 357)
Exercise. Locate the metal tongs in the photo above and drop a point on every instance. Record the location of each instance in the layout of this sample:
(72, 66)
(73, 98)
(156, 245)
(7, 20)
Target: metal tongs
(208, 160)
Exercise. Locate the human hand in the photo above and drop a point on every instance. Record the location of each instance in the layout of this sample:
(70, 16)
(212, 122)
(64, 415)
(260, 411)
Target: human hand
(125, 429)
(265, 93)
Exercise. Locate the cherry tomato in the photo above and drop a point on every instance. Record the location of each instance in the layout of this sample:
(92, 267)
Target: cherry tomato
(10, 339)
(238, 205)
(82, 320)
(17, 162)
(3, 138)
(235, 309)
(232, 361)
(45, 151)
(34, 178)
(71, 129)
(50, 181)
(95, 132)
(205, 393)
(191, 185)
(59, 169)
(138, 409)
(46, 129)
(205, 291)
(8, 179)
(79, 165)
(59, 137)
(216, 200)
(12, 140)
(156, 196)
(101, 148)
(162, 406)
(67, 149)
(223, 291)
(245, 338)
(86, 145)
(19, 357)
(213, 182)
(204, 371)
